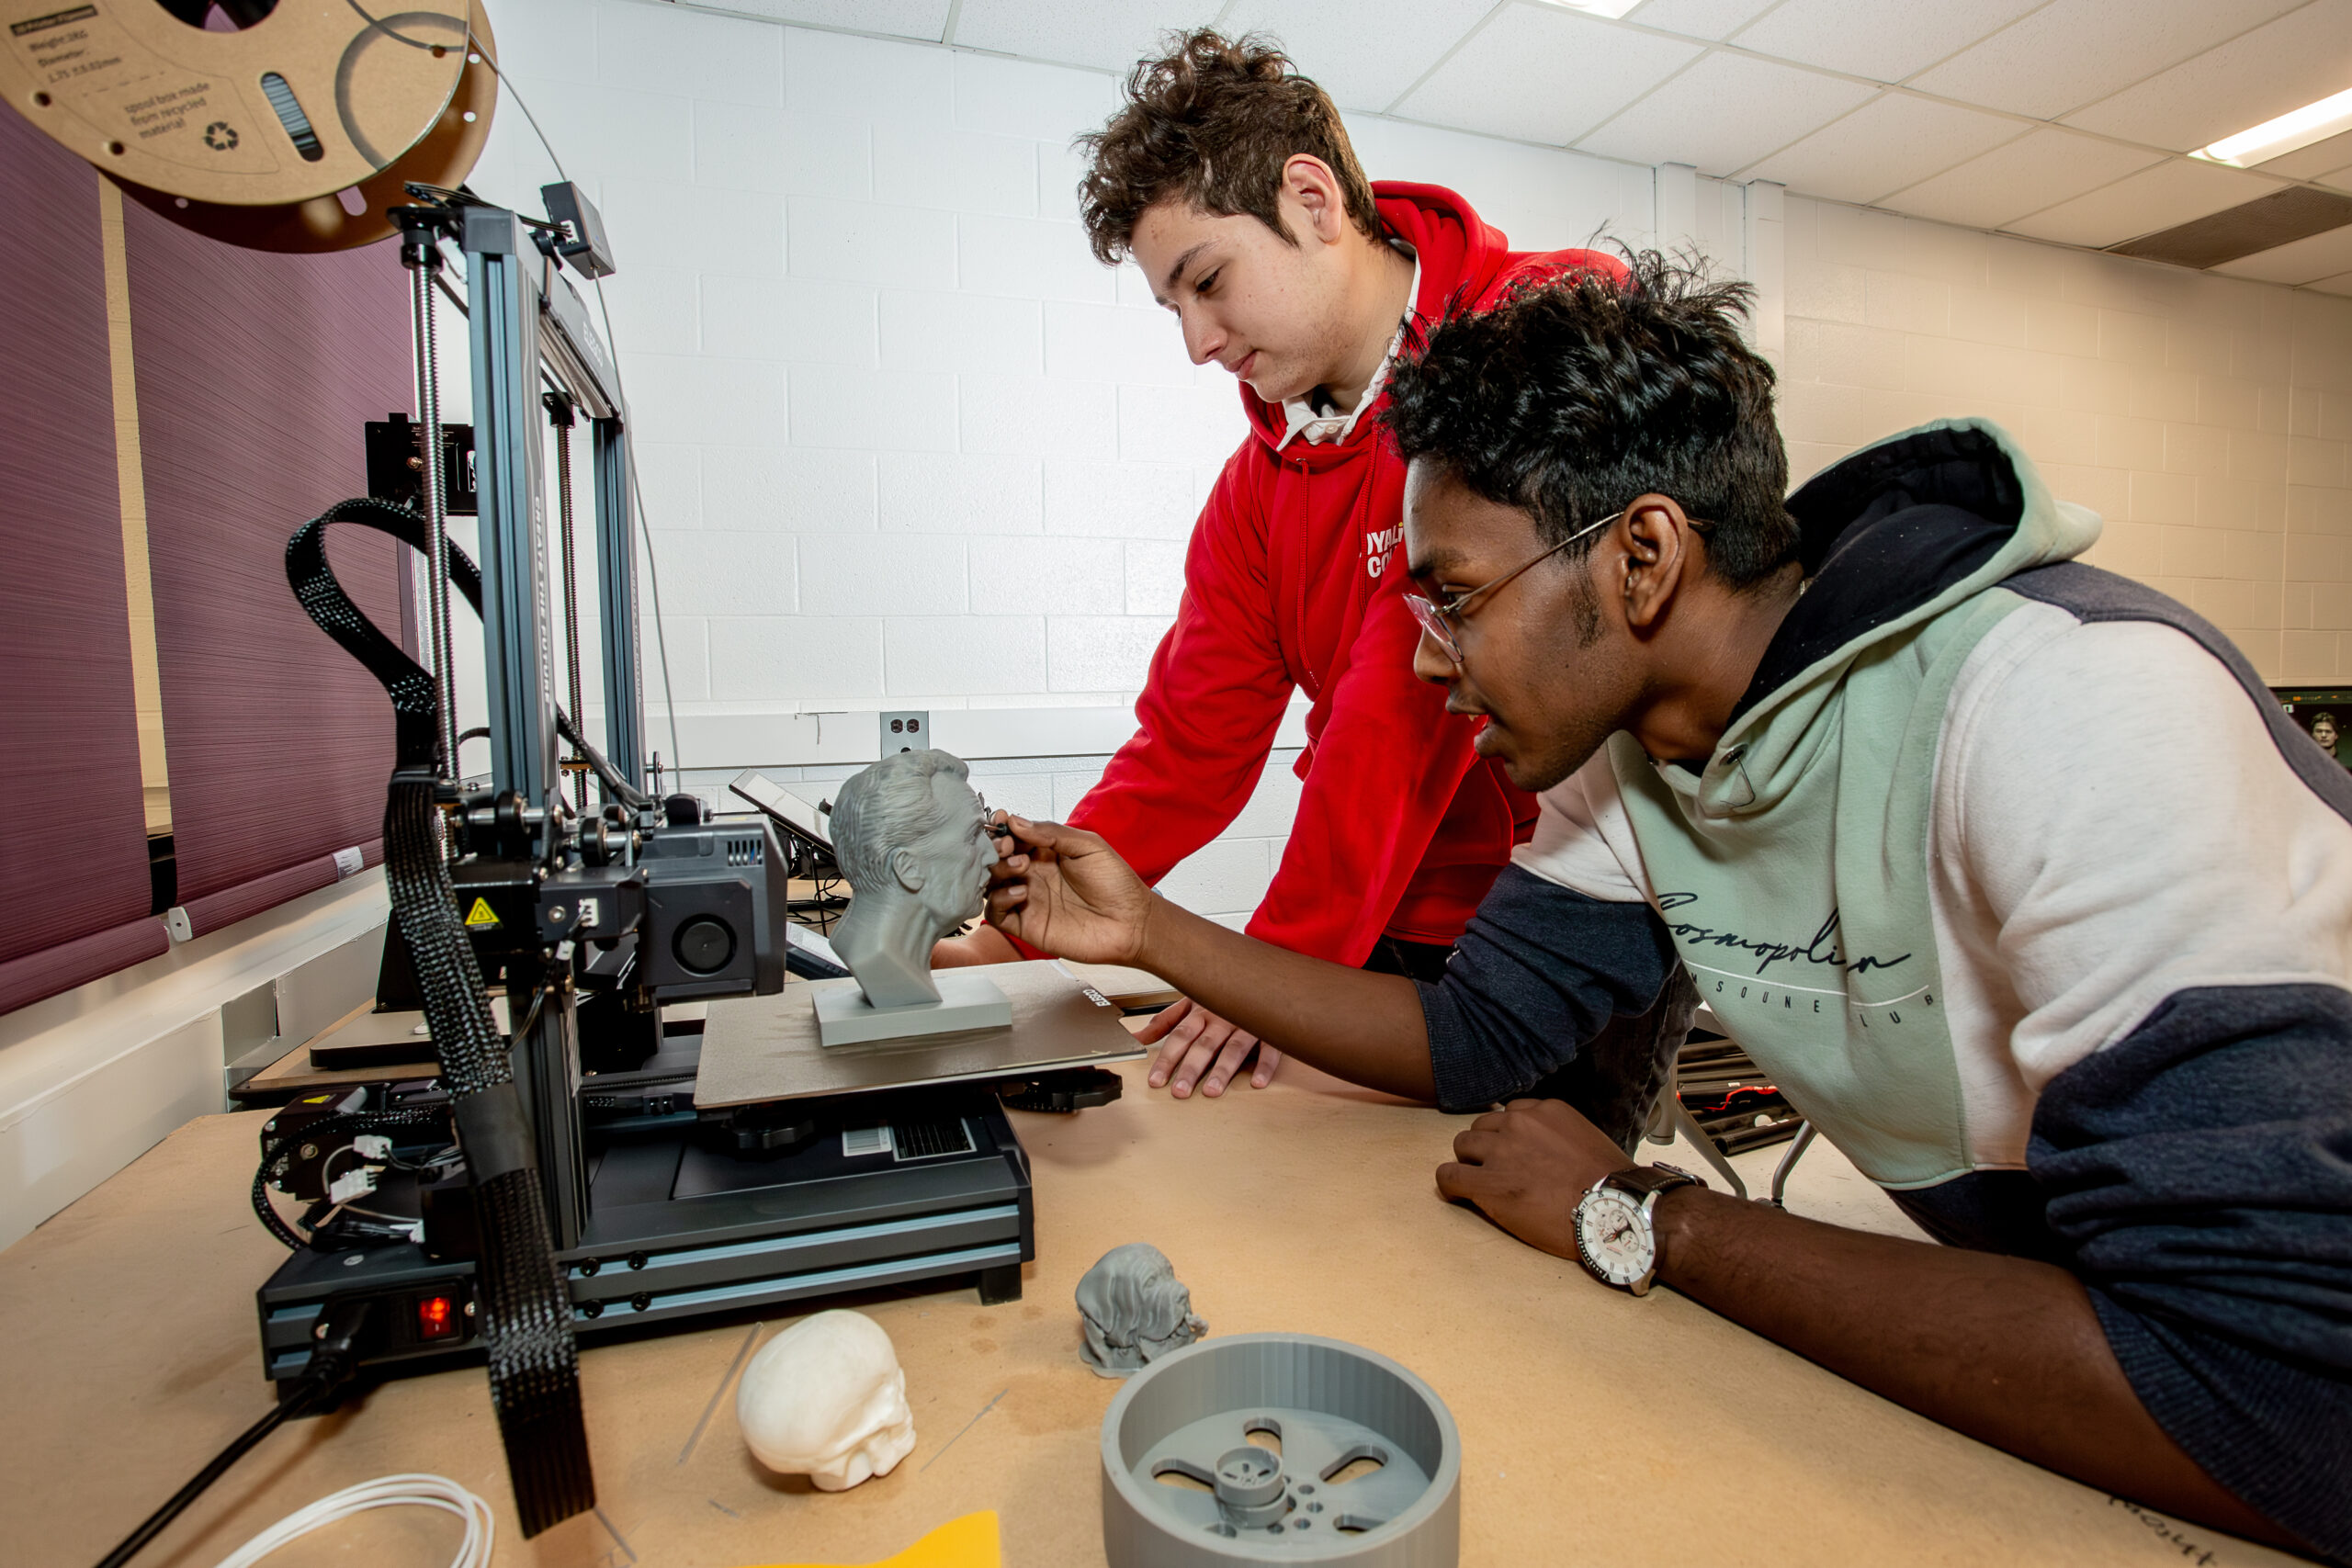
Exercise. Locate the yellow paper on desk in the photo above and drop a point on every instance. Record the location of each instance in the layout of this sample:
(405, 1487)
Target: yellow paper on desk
(967, 1543)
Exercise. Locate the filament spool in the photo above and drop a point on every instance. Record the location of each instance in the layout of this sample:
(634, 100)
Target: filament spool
(294, 133)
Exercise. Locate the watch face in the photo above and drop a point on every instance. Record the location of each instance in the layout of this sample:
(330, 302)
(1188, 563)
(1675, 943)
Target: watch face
(1616, 1244)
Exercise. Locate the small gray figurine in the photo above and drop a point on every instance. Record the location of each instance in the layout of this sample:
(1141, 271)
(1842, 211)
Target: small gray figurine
(1134, 1309)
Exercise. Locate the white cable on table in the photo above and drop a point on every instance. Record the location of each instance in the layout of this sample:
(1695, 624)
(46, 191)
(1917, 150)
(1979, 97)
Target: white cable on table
(384, 1491)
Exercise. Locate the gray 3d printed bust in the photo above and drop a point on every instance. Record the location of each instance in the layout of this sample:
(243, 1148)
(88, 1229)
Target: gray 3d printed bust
(1134, 1309)
(909, 835)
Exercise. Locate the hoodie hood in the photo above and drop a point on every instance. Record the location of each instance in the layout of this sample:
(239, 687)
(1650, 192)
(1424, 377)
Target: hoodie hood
(1793, 870)
(1460, 253)
(1891, 537)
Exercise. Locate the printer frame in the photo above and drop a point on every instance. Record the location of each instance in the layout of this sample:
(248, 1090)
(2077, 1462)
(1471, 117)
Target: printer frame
(654, 1220)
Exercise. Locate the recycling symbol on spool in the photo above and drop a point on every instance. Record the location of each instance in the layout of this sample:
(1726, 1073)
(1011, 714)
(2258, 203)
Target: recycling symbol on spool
(221, 136)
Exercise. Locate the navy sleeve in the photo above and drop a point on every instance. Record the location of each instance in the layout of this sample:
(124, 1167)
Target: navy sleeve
(1540, 970)
(2199, 1170)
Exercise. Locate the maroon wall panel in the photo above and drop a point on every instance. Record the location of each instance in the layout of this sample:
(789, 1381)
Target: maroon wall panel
(74, 881)
(257, 373)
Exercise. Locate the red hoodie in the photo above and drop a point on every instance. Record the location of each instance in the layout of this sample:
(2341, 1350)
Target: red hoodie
(1294, 579)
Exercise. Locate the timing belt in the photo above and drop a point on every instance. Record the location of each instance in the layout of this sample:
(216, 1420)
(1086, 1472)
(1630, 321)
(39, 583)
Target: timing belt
(527, 1309)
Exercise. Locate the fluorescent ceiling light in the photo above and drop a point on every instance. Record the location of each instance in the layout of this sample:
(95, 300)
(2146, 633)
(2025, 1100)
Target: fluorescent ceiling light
(2277, 138)
(1610, 8)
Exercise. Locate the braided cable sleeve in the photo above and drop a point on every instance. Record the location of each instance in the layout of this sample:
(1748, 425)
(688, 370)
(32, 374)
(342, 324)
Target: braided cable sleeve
(526, 1308)
(272, 1221)
(534, 1368)
(457, 1004)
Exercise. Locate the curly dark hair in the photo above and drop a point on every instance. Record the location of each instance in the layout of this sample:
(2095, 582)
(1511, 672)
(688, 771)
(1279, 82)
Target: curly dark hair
(1212, 121)
(1575, 394)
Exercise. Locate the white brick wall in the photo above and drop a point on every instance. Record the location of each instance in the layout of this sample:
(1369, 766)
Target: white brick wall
(904, 443)
(853, 288)
(2208, 420)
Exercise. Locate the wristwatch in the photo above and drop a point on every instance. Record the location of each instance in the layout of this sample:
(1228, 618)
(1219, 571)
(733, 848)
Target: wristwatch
(1615, 1237)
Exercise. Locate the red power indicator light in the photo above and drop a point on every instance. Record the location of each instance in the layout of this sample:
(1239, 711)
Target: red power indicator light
(436, 1318)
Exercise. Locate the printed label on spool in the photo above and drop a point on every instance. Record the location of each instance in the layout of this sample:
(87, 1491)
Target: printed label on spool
(32, 25)
(60, 52)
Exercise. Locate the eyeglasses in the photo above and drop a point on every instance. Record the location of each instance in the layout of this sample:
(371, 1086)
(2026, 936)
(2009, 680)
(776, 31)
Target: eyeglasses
(1439, 617)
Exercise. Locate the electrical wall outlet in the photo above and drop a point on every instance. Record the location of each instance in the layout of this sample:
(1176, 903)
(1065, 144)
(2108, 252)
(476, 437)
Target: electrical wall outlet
(905, 732)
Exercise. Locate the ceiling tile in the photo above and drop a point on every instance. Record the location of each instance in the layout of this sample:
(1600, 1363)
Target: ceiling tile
(1699, 18)
(1538, 73)
(1110, 35)
(2046, 167)
(1364, 52)
(2173, 192)
(2311, 163)
(893, 18)
(2341, 179)
(1725, 113)
(2302, 261)
(2075, 52)
(1883, 146)
(2341, 284)
(1872, 39)
(2298, 59)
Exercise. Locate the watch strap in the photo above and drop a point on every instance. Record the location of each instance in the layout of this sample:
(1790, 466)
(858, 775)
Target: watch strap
(1652, 1179)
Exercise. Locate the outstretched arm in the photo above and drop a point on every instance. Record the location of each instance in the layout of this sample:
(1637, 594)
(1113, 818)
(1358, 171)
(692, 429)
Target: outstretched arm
(2006, 1349)
(1068, 892)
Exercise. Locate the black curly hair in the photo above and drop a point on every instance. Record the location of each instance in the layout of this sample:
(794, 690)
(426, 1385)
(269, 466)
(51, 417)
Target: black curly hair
(1212, 121)
(1576, 394)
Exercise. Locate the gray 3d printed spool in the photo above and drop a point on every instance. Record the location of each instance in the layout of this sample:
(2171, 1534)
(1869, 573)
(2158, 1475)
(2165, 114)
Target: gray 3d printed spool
(1324, 1412)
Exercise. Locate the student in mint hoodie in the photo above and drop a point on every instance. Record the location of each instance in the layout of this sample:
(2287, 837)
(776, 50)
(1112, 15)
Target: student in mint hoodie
(2089, 1026)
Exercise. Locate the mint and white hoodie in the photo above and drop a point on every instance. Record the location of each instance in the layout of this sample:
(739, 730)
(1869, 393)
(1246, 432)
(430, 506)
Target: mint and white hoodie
(2015, 880)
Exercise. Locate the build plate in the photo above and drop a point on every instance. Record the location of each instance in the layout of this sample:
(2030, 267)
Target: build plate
(756, 1049)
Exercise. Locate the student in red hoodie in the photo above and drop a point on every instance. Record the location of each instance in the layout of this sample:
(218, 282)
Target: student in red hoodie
(1230, 181)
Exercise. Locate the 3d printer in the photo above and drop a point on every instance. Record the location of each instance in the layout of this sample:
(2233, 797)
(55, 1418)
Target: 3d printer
(427, 1195)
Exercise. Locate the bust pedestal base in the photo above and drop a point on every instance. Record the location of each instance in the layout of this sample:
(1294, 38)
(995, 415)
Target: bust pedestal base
(967, 999)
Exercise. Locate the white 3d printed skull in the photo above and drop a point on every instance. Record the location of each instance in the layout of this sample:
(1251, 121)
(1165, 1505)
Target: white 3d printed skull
(827, 1399)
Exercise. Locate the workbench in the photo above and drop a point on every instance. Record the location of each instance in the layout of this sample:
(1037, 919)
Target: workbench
(1596, 1428)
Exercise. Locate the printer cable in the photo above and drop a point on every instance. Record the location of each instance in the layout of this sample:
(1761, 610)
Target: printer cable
(333, 1360)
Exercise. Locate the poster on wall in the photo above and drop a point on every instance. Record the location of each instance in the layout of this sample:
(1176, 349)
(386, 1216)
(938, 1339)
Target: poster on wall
(2323, 713)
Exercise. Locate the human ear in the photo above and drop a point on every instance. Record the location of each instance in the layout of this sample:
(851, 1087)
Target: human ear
(905, 866)
(1308, 182)
(1656, 538)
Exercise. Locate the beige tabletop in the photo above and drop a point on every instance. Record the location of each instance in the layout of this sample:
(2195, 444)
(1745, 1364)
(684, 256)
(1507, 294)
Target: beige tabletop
(1596, 1428)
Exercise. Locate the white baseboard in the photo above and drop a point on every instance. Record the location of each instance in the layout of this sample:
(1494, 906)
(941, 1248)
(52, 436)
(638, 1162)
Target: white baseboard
(93, 1124)
(92, 1078)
